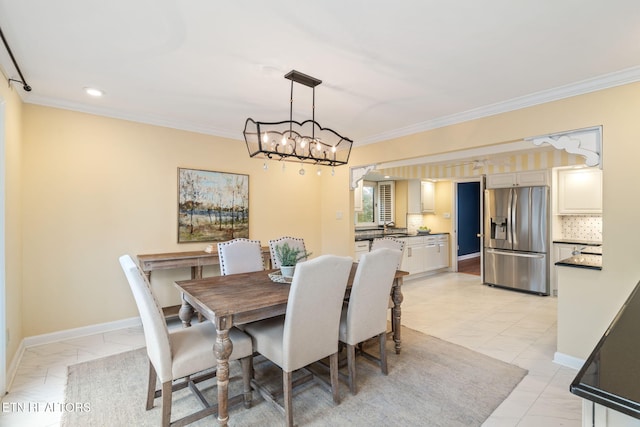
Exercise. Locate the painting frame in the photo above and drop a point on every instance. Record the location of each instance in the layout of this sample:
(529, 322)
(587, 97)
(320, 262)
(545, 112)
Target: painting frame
(213, 206)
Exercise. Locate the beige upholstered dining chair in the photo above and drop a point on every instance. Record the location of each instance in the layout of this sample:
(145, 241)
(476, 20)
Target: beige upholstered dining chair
(180, 353)
(240, 256)
(293, 242)
(309, 330)
(365, 316)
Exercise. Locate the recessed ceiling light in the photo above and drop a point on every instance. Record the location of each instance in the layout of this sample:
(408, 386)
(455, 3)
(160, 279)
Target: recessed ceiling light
(93, 91)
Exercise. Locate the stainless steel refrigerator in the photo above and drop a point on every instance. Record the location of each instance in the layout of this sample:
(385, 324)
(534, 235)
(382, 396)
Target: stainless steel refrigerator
(516, 238)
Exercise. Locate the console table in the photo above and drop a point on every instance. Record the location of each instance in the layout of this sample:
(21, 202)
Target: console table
(193, 259)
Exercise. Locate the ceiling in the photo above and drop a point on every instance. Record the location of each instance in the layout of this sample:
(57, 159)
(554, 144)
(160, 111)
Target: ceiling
(388, 68)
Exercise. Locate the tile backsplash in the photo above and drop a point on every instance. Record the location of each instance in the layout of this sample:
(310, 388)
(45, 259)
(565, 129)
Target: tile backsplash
(581, 227)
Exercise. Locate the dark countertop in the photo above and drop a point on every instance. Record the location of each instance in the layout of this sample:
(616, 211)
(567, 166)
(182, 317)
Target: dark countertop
(611, 374)
(584, 260)
(578, 242)
(369, 236)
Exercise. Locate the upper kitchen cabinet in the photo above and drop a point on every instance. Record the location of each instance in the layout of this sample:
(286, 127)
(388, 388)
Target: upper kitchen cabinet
(428, 197)
(514, 179)
(579, 191)
(420, 197)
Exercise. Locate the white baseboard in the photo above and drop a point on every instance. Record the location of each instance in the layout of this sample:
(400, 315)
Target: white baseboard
(13, 366)
(568, 361)
(81, 332)
(469, 256)
(64, 335)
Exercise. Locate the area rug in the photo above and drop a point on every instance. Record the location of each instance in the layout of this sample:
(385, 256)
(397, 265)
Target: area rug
(431, 383)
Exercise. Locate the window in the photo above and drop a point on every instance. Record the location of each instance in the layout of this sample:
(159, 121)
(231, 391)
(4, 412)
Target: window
(378, 205)
(386, 196)
(366, 216)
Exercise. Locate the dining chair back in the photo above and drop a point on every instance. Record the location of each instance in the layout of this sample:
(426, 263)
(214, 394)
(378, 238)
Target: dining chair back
(388, 242)
(293, 242)
(180, 353)
(309, 330)
(240, 256)
(366, 313)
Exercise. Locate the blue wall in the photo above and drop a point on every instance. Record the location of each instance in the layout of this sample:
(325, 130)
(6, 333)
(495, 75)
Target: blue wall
(468, 218)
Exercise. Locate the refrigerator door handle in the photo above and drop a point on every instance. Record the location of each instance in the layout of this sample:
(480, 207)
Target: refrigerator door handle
(513, 206)
(516, 254)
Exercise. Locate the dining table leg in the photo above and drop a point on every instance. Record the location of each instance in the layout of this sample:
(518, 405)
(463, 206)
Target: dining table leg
(222, 350)
(185, 313)
(396, 312)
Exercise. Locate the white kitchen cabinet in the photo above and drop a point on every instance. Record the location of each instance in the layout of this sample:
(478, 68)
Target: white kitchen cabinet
(428, 196)
(420, 197)
(361, 247)
(414, 255)
(579, 191)
(358, 206)
(425, 253)
(443, 251)
(432, 256)
(515, 179)
(414, 197)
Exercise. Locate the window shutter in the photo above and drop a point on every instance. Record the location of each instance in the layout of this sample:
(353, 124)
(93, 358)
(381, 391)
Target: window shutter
(386, 201)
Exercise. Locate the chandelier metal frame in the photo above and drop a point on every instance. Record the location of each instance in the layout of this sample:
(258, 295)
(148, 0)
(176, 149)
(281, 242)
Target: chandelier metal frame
(306, 142)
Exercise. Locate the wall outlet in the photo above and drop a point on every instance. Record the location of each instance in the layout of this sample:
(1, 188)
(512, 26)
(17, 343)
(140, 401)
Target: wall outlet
(446, 215)
(338, 214)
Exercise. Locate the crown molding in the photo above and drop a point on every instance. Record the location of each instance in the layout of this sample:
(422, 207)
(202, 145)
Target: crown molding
(138, 118)
(618, 78)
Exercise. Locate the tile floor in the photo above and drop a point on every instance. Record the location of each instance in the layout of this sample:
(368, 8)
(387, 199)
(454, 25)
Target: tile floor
(514, 327)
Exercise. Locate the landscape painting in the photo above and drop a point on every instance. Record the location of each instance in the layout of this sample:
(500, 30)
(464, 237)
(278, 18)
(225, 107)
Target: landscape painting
(212, 206)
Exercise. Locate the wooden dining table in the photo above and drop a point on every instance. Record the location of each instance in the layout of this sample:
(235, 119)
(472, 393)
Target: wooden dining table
(238, 299)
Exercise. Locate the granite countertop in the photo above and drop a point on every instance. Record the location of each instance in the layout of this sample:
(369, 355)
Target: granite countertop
(369, 235)
(584, 260)
(611, 374)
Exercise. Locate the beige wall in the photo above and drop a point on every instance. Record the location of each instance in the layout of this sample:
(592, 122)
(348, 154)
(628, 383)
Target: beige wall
(13, 218)
(584, 315)
(96, 188)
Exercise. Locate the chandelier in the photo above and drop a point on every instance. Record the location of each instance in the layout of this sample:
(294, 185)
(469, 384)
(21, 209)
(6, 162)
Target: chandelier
(305, 142)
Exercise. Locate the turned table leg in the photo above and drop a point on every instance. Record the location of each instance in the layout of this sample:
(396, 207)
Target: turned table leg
(186, 313)
(396, 313)
(222, 350)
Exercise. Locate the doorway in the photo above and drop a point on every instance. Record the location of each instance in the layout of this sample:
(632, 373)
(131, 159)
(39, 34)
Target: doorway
(468, 226)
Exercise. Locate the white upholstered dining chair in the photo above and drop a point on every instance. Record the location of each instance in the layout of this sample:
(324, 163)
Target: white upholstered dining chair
(388, 242)
(181, 353)
(391, 243)
(240, 256)
(309, 330)
(365, 316)
(293, 242)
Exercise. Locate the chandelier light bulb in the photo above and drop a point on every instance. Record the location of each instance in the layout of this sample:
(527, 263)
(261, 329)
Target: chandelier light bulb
(284, 141)
(265, 138)
(333, 149)
(319, 171)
